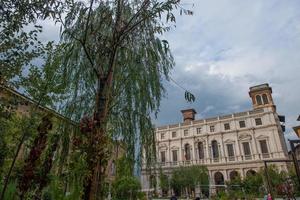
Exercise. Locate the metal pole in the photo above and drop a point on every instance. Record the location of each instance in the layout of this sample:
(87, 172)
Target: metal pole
(268, 179)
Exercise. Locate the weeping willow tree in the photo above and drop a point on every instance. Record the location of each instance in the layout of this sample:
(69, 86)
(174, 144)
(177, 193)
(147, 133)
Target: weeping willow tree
(113, 62)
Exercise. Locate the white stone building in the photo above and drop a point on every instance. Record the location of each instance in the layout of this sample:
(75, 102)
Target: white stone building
(228, 145)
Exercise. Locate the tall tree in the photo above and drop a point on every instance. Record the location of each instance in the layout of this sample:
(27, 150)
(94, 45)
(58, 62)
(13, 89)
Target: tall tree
(114, 63)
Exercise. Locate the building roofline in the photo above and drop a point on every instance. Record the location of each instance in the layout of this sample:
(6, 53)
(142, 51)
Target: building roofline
(190, 109)
(260, 87)
(32, 101)
(216, 118)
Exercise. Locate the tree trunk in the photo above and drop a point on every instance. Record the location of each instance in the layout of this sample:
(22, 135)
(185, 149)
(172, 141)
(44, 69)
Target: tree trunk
(43, 180)
(98, 144)
(36, 151)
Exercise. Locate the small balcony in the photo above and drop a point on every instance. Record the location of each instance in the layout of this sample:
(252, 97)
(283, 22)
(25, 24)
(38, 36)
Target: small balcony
(174, 163)
(265, 155)
(231, 158)
(247, 157)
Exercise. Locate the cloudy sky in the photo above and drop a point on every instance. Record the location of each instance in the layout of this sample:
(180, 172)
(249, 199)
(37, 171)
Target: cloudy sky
(226, 47)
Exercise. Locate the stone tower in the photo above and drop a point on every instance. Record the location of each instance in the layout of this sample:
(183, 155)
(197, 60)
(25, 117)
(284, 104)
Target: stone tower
(188, 115)
(261, 96)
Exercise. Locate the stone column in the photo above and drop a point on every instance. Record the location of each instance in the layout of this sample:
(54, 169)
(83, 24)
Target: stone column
(238, 148)
(207, 156)
(223, 158)
(255, 144)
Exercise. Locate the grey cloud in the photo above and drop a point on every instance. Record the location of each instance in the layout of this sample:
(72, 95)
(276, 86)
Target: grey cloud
(228, 46)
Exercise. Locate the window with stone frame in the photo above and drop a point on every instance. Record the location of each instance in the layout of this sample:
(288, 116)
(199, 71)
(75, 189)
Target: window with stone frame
(200, 150)
(174, 155)
(242, 124)
(230, 151)
(263, 146)
(246, 148)
(162, 136)
(212, 128)
(186, 132)
(215, 149)
(198, 130)
(258, 121)
(174, 134)
(187, 152)
(163, 156)
(227, 126)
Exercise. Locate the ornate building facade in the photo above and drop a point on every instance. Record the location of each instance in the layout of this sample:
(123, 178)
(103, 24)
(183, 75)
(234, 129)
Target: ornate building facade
(228, 145)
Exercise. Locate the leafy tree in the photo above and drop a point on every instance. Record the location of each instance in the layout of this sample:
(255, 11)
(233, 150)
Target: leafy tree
(235, 188)
(113, 63)
(163, 182)
(187, 178)
(125, 186)
(110, 62)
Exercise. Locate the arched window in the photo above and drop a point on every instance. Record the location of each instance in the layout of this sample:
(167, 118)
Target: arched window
(258, 100)
(219, 178)
(187, 151)
(233, 175)
(200, 150)
(215, 149)
(265, 99)
(250, 172)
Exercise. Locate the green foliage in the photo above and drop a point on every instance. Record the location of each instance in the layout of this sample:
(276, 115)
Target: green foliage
(124, 167)
(294, 179)
(20, 46)
(163, 181)
(126, 188)
(235, 188)
(256, 185)
(11, 191)
(115, 41)
(189, 177)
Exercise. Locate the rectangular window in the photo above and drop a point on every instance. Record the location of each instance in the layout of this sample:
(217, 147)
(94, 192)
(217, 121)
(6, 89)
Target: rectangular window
(174, 155)
(198, 130)
(163, 156)
(162, 136)
(258, 121)
(186, 132)
(212, 128)
(230, 150)
(174, 134)
(263, 146)
(227, 126)
(246, 148)
(242, 124)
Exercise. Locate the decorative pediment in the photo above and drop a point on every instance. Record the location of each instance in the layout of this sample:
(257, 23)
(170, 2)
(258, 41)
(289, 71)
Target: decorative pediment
(245, 137)
(199, 140)
(163, 146)
(174, 148)
(229, 141)
(261, 137)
